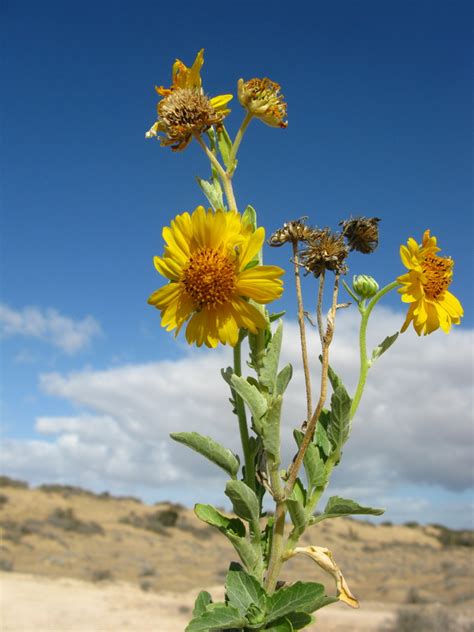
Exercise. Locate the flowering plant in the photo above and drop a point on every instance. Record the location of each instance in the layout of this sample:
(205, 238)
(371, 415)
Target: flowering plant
(218, 288)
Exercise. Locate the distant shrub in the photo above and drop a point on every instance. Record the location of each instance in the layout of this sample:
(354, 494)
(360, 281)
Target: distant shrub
(386, 523)
(67, 520)
(14, 531)
(6, 565)
(451, 537)
(3, 500)
(411, 524)
(421, 620)
(65, 490)
(101, 575)
(6, 481)
(157, 522)
(146, 585)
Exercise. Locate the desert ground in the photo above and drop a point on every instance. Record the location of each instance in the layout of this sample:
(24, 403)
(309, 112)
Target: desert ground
(71, 560)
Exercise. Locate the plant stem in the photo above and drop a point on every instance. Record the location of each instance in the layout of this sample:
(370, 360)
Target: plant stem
(301, 322)
(364, 361)
(242, 417)
(308, 436)
(224, 176)
(319, 306)
(237, 141)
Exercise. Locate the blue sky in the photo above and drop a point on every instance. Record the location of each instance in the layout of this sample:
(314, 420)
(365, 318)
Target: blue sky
(379, 107)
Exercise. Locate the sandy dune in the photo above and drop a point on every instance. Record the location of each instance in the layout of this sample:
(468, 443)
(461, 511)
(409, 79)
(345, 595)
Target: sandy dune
(36, 604)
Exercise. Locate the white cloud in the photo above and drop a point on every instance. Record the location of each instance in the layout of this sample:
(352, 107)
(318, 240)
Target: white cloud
(414, 426)
(49, 325)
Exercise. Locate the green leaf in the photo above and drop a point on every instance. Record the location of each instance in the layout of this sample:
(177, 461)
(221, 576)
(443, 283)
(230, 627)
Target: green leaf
(244, 501)
(243, 591)
(313, 463)
(209, 448)
(339, 422)
(233, 529)
(321, 435)
(337, 506)
(299, 620)
(213, 517)
(252, 397)
(283, 379)
(268, 372)
(297, 512)
(225, 145)
(299, 597)
(249, 217)
(334, 379)
(202, 601)
(282, 625)
(273, 317)
(213, 192)
(271, 430)
(218, 616)
(383, 346)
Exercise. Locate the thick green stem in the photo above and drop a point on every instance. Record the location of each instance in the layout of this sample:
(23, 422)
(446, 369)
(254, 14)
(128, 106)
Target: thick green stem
(364, 360)
(242, 417)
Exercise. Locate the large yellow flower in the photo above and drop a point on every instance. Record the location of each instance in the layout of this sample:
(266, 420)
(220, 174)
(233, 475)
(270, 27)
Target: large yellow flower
(206, 260)
(425, 287)
(185, 111)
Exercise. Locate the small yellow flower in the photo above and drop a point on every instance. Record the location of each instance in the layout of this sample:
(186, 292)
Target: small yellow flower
(425, 287)
(185, 111)
(262, 99)
(206, 260)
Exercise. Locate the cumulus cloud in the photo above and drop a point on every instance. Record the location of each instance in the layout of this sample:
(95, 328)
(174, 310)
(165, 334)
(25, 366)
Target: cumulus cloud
(49, 325)
(414, 426)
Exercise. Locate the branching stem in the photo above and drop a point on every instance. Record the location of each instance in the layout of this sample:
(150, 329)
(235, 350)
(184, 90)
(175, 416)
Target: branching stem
(301, 322)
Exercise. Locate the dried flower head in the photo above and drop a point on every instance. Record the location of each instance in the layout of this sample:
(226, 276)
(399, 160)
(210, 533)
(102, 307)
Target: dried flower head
(185, 111)
(326, 251)
(262, 99)
(183, 114)
(293, 231)
(362, 233)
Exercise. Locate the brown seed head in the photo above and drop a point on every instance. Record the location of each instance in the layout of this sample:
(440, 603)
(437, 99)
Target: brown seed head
(184, 113)
(293, 231)
(327, 251)
(362, 233)
(262, 98)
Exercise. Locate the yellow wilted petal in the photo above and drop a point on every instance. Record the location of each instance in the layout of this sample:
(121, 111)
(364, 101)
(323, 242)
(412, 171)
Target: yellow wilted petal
(324, 558)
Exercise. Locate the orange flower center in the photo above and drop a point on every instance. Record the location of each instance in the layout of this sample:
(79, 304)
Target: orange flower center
(438, 273)
(209, 278)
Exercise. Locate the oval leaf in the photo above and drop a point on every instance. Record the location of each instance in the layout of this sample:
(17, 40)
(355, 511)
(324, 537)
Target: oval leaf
(209, 448)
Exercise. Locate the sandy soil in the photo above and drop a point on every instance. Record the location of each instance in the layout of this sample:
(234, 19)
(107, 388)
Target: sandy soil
(37, 604)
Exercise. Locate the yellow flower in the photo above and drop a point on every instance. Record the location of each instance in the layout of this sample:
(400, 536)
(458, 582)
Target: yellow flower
(206, 260)
(262, 99)
(425, 287)
(185, 111)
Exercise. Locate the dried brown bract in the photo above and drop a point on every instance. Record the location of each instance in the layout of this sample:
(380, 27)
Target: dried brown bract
(326, 251)
(362, 233)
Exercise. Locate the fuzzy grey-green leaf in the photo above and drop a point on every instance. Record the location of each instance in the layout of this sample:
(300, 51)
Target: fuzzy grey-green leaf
(383, 346)
(225, 145)
(337, 506)
(271, 430)
(313, 463)
(213, 192)
(201, 603)
(218, 616)
(269, 369)
(243, 591)
(299, 597)
(339, 422)
(283, 379)
(252, 397)
(244, 501)
(209, 448)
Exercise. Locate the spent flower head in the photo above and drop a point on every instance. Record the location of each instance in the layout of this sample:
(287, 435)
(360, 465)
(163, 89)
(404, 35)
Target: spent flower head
(361, 233)
(293, 232)
(425, 287)
(262, 99)
(326, 251)
(185, 111)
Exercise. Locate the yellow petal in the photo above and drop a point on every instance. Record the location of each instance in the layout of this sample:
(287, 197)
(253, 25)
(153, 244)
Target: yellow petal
(162, 297)
(247, 316)
(262, 283)
(168, 267)
(193, 79)
(250, 247)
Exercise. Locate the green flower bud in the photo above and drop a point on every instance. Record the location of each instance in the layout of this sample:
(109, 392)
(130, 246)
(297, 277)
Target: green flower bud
(365, 286)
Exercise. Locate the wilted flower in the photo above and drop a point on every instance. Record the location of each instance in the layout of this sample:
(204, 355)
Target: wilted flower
(185, 111)
(425, 287)
(326, 251)
(262, 99)
(293, 231)
(362, 233)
